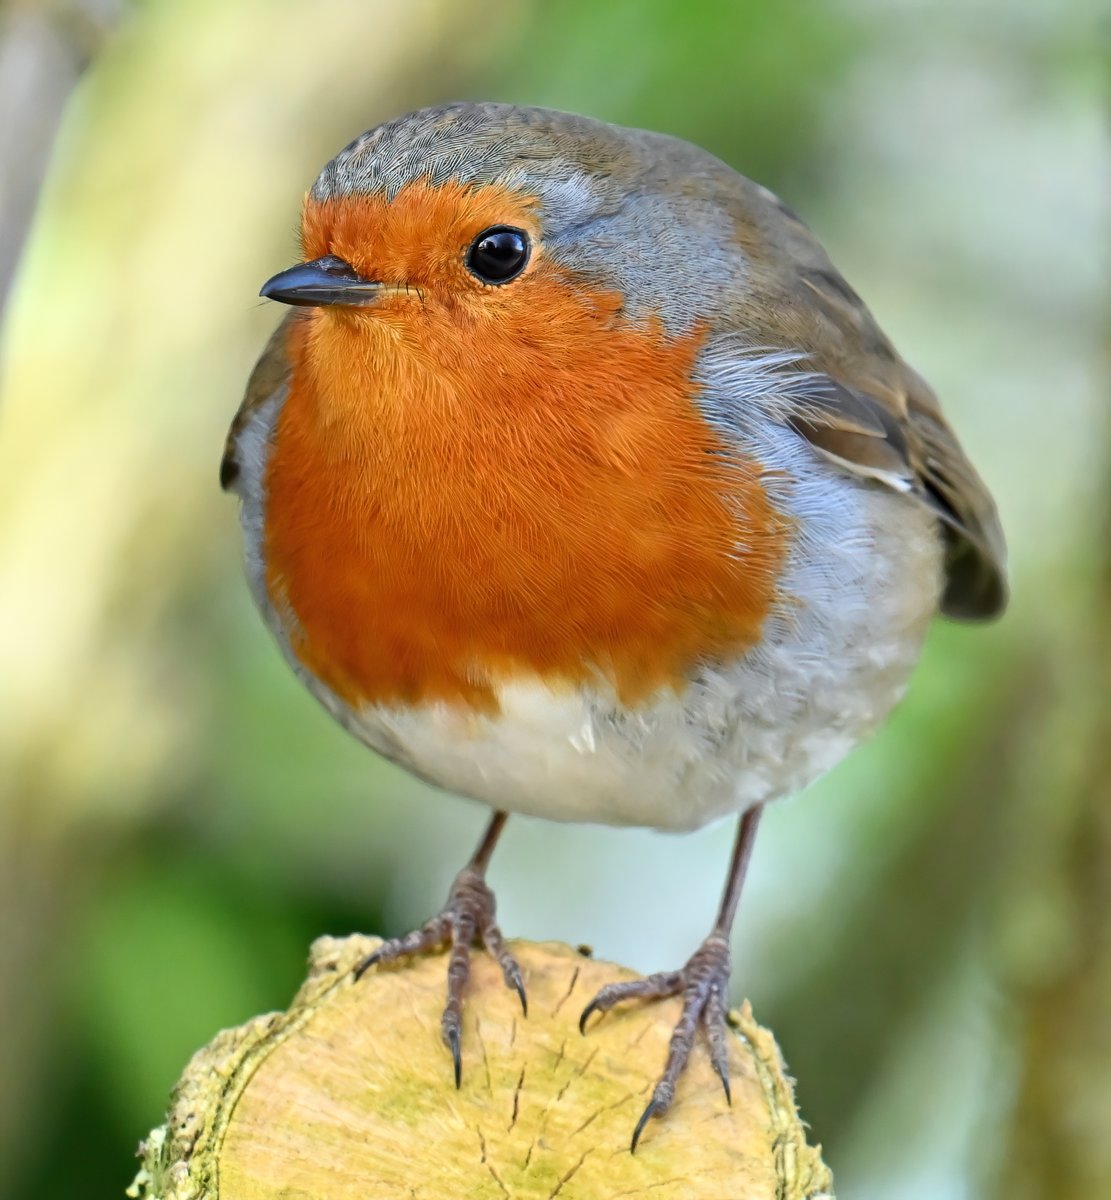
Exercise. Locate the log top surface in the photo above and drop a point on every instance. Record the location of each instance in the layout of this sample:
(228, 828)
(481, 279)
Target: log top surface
(349, 1094)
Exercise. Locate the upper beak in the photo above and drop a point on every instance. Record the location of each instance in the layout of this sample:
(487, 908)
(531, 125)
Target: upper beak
(327, 280)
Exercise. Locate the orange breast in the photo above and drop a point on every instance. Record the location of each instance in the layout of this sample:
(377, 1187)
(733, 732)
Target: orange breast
(518, 483)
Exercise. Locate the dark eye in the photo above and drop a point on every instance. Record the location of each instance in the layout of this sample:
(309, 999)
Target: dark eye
(498, 254)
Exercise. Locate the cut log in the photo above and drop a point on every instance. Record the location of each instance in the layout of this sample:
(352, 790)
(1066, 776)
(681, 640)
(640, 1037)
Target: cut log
(349, 1094)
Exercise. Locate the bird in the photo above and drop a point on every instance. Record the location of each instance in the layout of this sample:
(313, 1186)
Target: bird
(577, 481)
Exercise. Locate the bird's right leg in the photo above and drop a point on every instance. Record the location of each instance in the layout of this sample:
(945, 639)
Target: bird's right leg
(468, 917)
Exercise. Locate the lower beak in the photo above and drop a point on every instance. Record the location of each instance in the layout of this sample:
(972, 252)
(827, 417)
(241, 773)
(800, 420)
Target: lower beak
(323, 281)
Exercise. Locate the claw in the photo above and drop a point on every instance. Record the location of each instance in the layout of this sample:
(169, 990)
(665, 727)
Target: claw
(587, 1013)
(511, 973)
(362, 967)
(714, 1018)
(654, 1107)
(451, 1037)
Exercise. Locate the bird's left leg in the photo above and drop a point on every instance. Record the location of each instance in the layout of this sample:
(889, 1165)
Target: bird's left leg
(703, 983)
(469, 916)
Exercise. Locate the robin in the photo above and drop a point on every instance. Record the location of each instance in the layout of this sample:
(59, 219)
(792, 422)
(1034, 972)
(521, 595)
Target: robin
(578, 481)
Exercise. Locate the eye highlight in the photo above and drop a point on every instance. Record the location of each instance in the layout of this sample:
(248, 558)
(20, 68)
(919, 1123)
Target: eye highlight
(499, 254)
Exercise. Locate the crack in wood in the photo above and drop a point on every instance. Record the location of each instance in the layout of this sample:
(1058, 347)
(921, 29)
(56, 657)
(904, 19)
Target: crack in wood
(516, 1101)
(567, 995)
(578, 1073)
(571, 1171)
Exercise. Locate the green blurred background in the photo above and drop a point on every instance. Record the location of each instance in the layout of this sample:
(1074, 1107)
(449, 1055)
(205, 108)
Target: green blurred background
(927, 930)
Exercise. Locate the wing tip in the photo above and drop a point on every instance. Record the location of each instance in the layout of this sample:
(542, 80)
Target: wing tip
(229, 472)
(976, 587)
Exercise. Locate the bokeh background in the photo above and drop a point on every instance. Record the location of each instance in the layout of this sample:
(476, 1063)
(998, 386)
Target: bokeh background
(927, 930)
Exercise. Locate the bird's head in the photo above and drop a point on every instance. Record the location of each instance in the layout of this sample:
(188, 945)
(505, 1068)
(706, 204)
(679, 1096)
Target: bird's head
(492, 215)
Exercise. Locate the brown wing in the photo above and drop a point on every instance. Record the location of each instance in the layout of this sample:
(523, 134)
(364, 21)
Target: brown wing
(270, 373)
(869, 411)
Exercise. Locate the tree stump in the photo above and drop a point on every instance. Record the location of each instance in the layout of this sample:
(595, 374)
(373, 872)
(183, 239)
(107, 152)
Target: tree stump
(349, 1095)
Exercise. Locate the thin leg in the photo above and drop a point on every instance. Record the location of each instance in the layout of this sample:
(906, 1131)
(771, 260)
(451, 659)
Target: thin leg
(468, 917)
(703, 983)
(480, 860)
(738, 869)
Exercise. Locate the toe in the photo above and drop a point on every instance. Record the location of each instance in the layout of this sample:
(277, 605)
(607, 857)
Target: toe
(431, 935)
(654, 987)
(511, 970)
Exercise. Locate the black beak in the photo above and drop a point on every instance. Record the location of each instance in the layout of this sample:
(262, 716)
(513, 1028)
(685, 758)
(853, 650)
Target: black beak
(327, 280)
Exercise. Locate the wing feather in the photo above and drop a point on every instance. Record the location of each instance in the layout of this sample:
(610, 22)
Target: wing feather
(867, 411)
(270, 373)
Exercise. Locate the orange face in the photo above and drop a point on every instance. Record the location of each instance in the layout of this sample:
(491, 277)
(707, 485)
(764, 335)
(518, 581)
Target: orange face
(473, 483)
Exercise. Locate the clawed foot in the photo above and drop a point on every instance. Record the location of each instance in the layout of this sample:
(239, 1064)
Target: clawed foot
(467, 918)
(704, 986)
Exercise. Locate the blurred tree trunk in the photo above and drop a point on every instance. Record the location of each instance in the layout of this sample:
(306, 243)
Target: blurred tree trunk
(44, 48)
(1057, 928)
